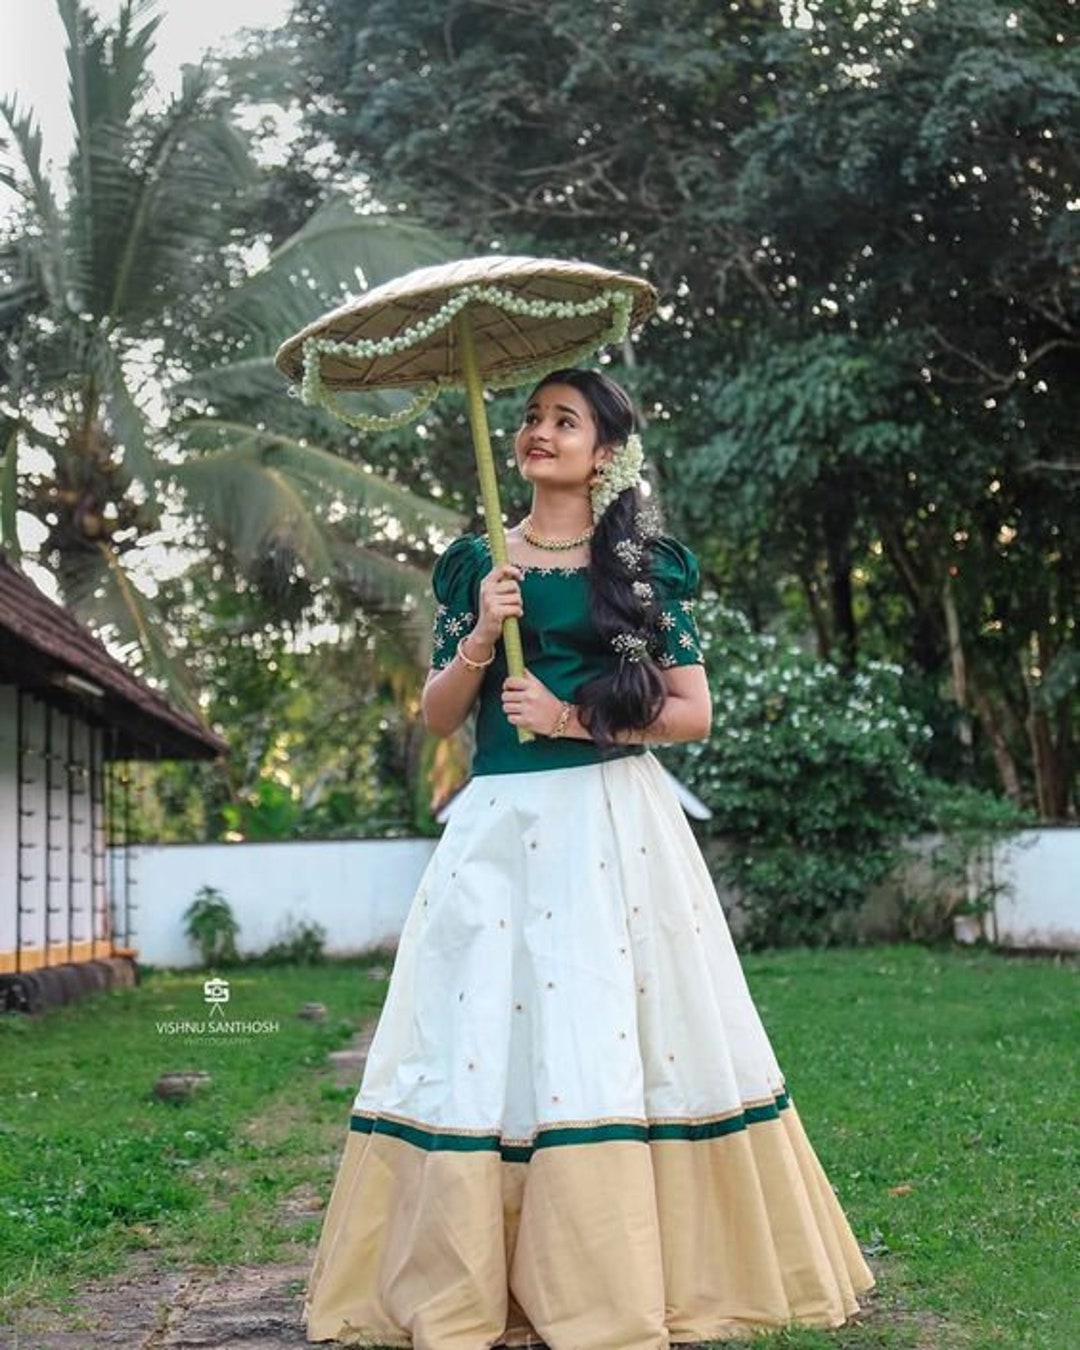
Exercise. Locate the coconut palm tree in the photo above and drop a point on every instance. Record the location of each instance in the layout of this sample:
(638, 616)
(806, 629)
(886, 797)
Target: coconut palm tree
(139, 405)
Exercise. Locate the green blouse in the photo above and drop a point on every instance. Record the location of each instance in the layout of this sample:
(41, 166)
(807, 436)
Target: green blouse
(560, 645)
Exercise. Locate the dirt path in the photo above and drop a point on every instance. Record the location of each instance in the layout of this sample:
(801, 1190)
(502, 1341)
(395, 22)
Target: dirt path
(253, 1307)
(259, 1307)
(199, 1308)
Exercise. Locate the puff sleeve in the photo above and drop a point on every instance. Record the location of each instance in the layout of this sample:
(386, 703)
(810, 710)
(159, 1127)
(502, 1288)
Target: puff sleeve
(455, 581)
(675, 579)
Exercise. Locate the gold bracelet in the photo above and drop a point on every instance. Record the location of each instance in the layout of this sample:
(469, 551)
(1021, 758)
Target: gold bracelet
(473, 665)
(560, 725)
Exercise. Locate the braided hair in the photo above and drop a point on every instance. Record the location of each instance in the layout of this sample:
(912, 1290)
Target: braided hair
(621, 601)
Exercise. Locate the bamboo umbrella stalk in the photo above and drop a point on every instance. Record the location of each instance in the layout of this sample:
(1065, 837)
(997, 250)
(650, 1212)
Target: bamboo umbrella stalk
(489, 488)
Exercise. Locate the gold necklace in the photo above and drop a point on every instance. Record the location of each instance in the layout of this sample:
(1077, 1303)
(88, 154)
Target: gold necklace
(553, 545)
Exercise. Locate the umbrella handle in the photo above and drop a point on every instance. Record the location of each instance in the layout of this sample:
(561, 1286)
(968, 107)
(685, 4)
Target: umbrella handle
(489, 489)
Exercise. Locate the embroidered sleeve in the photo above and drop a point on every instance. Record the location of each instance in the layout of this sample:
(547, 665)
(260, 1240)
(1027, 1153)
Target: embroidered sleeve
(454, 582)
(676, 576)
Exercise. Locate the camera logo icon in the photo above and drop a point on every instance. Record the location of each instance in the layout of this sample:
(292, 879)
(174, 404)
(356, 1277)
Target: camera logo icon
(216, 993)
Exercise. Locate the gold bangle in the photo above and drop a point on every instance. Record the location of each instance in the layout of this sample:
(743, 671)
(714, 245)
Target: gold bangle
(561, 723)
(473, 665)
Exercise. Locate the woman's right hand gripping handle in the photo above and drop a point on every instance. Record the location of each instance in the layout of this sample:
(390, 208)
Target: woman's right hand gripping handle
(500, 598)
(450, 693)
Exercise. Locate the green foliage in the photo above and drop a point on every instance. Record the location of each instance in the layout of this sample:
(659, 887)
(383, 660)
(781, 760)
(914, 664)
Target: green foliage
(946, 874)
(298, 944)
(603, 129)
(320, 721)
(814, 777)
(863, 399)
(914, 194)
(210, 923)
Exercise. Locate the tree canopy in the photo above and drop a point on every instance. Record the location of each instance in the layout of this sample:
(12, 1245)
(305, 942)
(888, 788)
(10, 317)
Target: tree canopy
(864, 219)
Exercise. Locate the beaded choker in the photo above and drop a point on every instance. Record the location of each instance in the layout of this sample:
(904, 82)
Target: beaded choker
(553, 545)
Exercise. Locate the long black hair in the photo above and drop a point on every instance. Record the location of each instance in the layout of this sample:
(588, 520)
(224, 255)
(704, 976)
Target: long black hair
(621, 601)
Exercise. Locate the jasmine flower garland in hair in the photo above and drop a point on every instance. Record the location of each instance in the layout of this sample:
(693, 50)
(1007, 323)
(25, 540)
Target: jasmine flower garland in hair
(622, 471)
(648, 523)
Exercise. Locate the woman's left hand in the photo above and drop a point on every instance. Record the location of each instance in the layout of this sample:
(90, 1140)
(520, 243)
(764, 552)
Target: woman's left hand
(528, 703)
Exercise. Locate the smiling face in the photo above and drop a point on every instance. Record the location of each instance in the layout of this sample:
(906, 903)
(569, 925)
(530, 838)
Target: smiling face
(558, 444)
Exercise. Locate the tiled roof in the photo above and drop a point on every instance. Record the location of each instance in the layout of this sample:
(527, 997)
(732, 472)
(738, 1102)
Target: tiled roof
(41, 643)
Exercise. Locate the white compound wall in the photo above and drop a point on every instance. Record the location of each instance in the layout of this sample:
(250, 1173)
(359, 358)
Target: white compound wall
(359, 890)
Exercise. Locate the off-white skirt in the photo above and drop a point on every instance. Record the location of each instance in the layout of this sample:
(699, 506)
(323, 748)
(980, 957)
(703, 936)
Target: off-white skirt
(572, 1128)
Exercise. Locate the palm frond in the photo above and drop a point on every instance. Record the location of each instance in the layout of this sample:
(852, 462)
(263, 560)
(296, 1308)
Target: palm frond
(49, 253)
(251, 390)
(322, 474)
(106, 597)
(21, 296)
(197, 161)
(128, 422)
(253, 508)
(107, 67)
(231, 382)
(255, 379)
(148, 190)
(76, 23)
(130, 54)
(390, 591)
(22, 293)
(106, 70)
(101, 591)
(338, 252)
(97, 92)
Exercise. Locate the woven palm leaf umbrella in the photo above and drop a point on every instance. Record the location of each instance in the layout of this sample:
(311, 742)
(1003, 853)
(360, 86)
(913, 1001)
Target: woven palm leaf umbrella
(479, 323)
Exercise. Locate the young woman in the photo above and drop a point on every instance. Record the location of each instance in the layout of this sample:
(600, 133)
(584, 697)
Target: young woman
(572, 1128)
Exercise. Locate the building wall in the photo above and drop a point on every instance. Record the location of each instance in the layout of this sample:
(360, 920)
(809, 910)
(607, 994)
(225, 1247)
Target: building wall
(1037, 881)
(53, 904)
(359, 890)
(9, 834)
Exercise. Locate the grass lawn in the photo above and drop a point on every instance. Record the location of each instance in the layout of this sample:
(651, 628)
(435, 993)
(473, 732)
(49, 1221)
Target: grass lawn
(93, 1166)
(934, 1084)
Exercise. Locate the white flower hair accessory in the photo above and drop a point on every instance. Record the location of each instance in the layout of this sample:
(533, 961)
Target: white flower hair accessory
(630, 553)
(622, 471)
(630, 646)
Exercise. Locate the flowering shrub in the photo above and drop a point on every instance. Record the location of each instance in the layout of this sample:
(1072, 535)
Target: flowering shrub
(812, 776)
